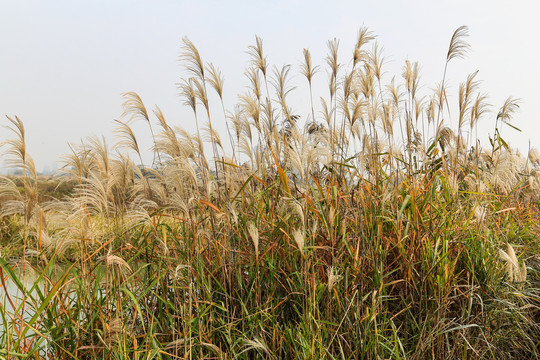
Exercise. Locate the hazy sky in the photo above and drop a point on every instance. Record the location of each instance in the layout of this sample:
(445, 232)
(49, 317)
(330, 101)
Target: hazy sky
(64, 64)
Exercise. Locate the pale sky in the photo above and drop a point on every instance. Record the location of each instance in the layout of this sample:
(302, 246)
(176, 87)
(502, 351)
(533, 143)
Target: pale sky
(64, 64)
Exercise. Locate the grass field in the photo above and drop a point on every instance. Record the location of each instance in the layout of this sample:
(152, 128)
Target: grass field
(366, 229)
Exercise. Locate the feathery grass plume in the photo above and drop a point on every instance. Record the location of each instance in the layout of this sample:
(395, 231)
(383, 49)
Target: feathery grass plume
(99, 153)
(66, 244)
(134, 109)
(269, 120)
(516, 272)
(200, 93)
(507, 111)
(138, 213)
(453, 184)
(212, 135)
(431, 109)
(333, 64)
(189, 145)
(294, 158)
(394, 92)
(114, 331)
(280, 83)
(254, 234)
(366, 83)
(252, 109)
(96, 195)
(78, 162)
(331, 216)
(446, 137)
(347, 87)
(364, 37)
(299, 239)
(505, 173)
(410, 75)
(215, 79)
(18, 158)
(126, 137)
(233, 213)
(387, 118)
(480, 213)
(298, 210)
(333, 278)
(245, 148)
(187, 92)
(457, 49)
(327, 112)
(376, 62)
(458, 46)
(10, 191)
(534, 157)
(111, 260)
(192, 59)
(479, 109)
(504, 115)
(255, 81)
(123, 173)
(259, 61)
(167, 141)
(466, 91)
(534, 180)
(255, 344)
(26, 200)
(308, 70)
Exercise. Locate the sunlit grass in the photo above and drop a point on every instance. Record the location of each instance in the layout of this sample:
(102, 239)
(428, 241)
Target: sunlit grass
(370, 229)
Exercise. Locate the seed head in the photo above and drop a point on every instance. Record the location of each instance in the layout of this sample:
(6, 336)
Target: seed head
(254, 234)
(298, 235)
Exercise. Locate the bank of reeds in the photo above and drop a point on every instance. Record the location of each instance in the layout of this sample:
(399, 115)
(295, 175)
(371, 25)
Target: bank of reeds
(370, 229)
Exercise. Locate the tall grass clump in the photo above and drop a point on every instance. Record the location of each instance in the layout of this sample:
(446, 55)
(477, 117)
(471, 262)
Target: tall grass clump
(366, 228)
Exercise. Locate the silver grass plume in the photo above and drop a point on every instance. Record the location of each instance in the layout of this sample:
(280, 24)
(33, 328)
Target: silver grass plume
(254, 234)
(333, 278)
(458, 46)
(299, 239)
(516, 272)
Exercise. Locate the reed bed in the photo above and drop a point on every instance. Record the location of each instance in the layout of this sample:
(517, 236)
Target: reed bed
(367, 228)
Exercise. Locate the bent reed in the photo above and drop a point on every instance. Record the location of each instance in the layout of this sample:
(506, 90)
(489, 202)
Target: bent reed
(367, 228)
